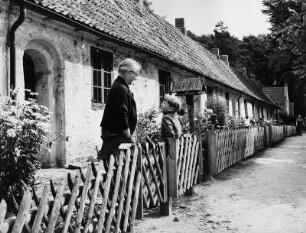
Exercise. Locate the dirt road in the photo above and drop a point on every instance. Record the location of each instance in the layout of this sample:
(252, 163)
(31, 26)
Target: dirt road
(264, 194)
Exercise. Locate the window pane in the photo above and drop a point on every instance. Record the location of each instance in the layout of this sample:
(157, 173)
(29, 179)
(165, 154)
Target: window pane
(97, 98)
(99, 83)
(99, 95)
(161, 93)
(95, 78)
(107, 79)
(106, 91)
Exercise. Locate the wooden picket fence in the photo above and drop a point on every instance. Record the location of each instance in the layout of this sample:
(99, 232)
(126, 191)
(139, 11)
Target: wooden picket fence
(103, 200)
(227, 147)
(259, 142)
(290, 130)
(277, 133)
(187, 161)
(154, 175)
(163, 176)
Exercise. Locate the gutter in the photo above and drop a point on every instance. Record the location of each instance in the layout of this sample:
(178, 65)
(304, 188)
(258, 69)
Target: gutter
(13, 29)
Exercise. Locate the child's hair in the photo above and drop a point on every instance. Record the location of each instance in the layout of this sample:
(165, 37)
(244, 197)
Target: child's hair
(173, 101)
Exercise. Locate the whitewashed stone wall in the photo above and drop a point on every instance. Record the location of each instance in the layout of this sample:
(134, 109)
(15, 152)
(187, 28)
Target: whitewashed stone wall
(3, 55)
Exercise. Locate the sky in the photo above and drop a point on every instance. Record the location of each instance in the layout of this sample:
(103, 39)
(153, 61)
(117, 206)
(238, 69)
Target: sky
(242, 17)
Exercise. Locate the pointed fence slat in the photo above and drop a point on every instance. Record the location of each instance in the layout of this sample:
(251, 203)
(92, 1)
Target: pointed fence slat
(93, 197)
(192, 157)
(71, 206)
(41, 211)
(135, 201)
(106, 193)
(115, 195)
(79, 219)
(23, 212)
(56, 207)
(130, 189)
(123, 189)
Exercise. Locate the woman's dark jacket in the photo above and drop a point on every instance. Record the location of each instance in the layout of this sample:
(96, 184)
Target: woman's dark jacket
(120, 110)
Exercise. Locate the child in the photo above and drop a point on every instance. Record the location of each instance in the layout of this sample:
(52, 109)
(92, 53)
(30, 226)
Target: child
(170, 131)
(170, 127)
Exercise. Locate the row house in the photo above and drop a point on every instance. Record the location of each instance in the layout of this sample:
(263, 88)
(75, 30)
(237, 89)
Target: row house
(68, 52)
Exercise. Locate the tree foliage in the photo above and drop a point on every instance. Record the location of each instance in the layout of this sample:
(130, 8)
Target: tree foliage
(288, 19)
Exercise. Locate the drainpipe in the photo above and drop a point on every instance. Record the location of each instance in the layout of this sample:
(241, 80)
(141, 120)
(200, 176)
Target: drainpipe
(13, 29)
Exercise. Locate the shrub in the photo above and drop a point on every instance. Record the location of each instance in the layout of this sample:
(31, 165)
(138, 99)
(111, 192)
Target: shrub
(147, 125)
(237, 122)
(202, 122)
(23, 129)
(218, 108)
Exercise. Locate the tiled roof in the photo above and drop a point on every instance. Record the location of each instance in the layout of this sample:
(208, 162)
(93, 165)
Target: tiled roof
(187, 85)
(276, 93)
(125, 20)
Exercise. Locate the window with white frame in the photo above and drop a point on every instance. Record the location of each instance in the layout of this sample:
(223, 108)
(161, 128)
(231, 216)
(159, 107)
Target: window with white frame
(102, 75)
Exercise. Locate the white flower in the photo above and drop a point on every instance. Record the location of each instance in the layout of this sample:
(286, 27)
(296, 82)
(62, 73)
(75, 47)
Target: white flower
(11, 133)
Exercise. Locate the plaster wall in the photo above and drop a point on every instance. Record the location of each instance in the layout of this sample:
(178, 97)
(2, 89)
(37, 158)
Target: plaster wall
(242, 108)
(250, 109)
(231, 105)
(3, 48)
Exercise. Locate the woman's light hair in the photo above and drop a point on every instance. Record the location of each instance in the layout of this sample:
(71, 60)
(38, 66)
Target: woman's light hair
(173, 101)
(129, 64)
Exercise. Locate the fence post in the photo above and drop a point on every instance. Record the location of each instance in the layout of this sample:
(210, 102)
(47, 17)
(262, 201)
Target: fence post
(139, 213)
(201, 157)
(172, 166)
(212, 154)
(166, 206)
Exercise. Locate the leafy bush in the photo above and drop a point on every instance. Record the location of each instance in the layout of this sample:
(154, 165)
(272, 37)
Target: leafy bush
(218, 109)
(23, 129)
(147, 125)
(236, 122)
(202, 122)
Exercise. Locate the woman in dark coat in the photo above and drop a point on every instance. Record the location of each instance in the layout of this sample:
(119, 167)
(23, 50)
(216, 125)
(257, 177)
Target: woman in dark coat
(120, 117)
(299, 125)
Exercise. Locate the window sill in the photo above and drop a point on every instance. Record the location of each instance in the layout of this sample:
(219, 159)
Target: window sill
(96, 106)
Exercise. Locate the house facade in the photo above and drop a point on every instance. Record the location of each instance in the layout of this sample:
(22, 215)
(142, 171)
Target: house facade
(69, 51)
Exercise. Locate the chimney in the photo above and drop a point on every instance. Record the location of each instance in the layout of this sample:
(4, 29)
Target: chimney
(243, 71)
(215, 51)
(225, 59)
(180, 24)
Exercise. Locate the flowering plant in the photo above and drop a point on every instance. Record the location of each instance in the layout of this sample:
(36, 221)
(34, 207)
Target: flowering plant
(147, 125)
(23, 129)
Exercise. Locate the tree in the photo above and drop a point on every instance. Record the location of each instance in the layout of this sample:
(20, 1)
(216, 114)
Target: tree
(222, 39)
(228, 45)
(289, 30)
(254, 55)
